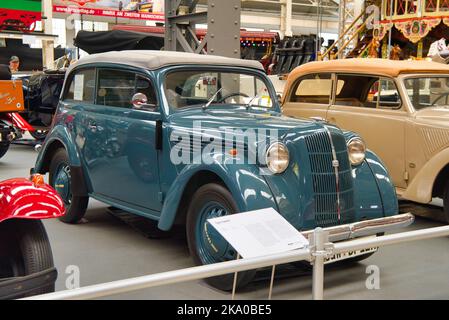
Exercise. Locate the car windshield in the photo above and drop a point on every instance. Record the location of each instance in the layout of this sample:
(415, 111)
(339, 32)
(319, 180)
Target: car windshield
(428, 91)
(205, 88)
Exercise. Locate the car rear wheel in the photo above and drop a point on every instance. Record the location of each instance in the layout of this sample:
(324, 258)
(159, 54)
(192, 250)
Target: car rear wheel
(61, 181)
(206, 245)
(25, 250)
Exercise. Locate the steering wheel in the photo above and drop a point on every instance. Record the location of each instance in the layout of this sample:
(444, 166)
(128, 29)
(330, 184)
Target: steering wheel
(443, 95)
(234, 94)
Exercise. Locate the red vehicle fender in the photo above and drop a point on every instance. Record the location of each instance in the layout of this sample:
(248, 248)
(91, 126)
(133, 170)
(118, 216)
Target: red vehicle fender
(22, 198)
(19, 122)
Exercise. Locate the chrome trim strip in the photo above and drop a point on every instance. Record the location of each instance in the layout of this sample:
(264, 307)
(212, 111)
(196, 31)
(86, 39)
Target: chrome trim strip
(366, 227)
(335, 165)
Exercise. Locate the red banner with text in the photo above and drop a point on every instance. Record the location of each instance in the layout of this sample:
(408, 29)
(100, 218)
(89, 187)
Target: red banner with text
(129, 9)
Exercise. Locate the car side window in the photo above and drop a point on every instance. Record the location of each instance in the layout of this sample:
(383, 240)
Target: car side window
(354, 90)
(313, 88)
(384, 94)
(144, 85)
(82, 86)
(364, 91)
(115, 88)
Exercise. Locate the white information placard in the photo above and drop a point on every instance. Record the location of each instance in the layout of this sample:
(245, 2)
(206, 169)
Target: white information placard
(259, 233)
(79, 87)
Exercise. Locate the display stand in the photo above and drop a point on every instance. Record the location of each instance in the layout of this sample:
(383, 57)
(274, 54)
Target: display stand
(234, 286)
(258, 233)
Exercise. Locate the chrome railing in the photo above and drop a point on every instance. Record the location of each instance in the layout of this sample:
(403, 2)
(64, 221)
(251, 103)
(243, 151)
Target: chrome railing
(316, 253)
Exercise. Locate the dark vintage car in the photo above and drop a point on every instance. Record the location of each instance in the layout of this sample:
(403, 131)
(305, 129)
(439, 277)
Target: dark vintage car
(41, 94)
(181, 138)
(26, 260)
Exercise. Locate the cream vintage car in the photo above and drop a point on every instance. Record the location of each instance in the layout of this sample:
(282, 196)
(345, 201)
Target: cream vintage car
(400, 108)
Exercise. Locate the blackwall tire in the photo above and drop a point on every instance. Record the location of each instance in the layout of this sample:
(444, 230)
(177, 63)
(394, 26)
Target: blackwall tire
(61, 181)
(208, 200)
(29, 250)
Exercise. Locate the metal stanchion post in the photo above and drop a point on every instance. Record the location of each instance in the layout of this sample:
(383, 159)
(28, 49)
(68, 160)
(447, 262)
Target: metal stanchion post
(234, 286)
(319, 253)
(270, 292)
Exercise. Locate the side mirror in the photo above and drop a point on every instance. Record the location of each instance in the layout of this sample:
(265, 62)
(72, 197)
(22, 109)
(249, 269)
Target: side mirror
(279, 97)
(140, 102)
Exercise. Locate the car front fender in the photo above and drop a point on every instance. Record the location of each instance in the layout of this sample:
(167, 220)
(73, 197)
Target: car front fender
(249, 190)
(373, 187)
(374, 192)
(21, 198)
(421, 187)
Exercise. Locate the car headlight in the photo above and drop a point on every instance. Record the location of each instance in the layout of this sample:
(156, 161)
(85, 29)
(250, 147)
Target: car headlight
(277, 157)
(356, 151)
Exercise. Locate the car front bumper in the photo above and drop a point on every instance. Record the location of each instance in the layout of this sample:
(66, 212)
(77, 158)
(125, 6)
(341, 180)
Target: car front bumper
(17, 287)
(366, 227)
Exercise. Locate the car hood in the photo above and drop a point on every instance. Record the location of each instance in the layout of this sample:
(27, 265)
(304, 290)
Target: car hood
(241, 119)
(435, 115)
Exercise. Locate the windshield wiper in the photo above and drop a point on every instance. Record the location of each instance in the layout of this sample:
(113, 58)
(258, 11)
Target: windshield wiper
(206, 105)
(249, 104)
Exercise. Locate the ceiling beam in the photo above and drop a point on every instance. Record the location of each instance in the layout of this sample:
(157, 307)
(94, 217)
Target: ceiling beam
(311, 4)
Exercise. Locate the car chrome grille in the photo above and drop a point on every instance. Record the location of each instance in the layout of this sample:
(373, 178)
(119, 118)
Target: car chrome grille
(324, 179)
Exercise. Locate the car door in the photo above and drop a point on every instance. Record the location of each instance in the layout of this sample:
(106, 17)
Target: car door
(309, 97)
(83, 118)
(128, 170)
(371, 106)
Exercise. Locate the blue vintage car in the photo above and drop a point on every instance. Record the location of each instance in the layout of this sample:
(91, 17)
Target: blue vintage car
(180, 138)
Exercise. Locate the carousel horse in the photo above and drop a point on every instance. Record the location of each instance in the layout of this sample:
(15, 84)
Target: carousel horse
(395, 53)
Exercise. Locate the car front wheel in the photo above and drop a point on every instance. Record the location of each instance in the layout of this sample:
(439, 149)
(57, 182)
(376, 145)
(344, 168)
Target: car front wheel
(25, 250)
(61, 181)
(206, 245)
